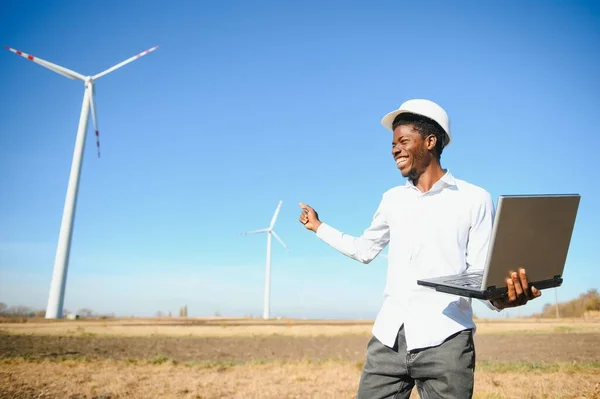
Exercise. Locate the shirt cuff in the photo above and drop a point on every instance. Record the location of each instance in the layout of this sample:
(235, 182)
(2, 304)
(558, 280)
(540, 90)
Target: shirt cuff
(491, 306)
(326, 233)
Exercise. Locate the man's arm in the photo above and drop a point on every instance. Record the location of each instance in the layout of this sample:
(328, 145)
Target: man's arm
(364, 248)
(480, 236)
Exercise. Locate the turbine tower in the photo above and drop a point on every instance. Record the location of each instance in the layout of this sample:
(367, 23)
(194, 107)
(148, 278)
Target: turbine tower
(270, 232)
(61, 262)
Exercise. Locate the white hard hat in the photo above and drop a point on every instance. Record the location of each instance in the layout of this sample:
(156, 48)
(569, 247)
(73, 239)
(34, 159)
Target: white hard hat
(421, 107)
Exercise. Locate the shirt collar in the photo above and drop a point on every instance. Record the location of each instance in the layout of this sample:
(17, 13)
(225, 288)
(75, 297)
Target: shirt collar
(447, 180)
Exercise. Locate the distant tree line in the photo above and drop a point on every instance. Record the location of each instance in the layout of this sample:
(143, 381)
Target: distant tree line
(183, 312)
(24, 312)
(578, 307)
(19, 311)
(586, 303)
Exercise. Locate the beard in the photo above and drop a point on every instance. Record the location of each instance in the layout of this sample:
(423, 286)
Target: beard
(413, 174)
(420, 162)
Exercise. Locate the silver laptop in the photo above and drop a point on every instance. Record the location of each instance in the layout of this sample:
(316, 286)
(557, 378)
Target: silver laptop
(530, 231)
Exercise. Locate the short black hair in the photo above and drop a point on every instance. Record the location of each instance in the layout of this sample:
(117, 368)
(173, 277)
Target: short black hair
(425, 126)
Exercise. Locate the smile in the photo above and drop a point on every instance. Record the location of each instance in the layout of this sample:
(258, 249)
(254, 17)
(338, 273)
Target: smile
(401, 161)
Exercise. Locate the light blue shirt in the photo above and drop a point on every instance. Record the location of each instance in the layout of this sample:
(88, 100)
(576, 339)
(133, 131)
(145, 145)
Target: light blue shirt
(444, 231)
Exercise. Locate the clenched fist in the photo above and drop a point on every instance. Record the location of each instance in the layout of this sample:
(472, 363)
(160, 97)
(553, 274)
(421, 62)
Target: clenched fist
(309, 218)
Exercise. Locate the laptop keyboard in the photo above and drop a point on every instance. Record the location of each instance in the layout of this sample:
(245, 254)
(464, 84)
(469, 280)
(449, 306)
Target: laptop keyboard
(474, 281)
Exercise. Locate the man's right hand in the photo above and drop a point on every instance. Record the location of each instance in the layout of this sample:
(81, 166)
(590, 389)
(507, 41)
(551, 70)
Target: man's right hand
(309, 218)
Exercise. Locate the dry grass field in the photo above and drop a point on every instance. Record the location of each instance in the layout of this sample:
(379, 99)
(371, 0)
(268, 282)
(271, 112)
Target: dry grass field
(248, 358)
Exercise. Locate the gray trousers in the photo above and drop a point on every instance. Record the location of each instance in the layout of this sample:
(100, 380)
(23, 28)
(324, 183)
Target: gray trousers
(443, 371)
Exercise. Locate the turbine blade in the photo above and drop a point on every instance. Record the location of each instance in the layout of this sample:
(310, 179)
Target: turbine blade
(94, 118)
(46, 64)
(280, 240)
(255, 231)
(127, 61)
(274, 219)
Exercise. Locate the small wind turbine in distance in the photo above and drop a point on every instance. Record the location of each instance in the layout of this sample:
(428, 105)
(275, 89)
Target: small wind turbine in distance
(61, 262)
(270, 232)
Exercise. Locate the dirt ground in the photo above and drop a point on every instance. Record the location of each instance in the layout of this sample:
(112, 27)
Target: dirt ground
(543, 347)
(225, 327)
(111, 380)
(289, 359)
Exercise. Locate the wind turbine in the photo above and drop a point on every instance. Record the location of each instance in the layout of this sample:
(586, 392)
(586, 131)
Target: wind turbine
(61, 262)
(270, 232)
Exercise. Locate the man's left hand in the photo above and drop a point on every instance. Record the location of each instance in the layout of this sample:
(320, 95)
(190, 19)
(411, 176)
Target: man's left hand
(519, 291)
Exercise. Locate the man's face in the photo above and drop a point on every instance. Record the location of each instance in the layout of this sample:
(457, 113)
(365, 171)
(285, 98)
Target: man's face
(411, 151)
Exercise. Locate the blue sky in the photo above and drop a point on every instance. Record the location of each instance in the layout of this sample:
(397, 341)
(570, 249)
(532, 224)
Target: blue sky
(248, 103)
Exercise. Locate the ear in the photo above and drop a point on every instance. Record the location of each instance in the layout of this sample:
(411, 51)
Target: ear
(430, 142)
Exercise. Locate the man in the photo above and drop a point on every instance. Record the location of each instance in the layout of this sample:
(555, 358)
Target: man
(435, 225)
